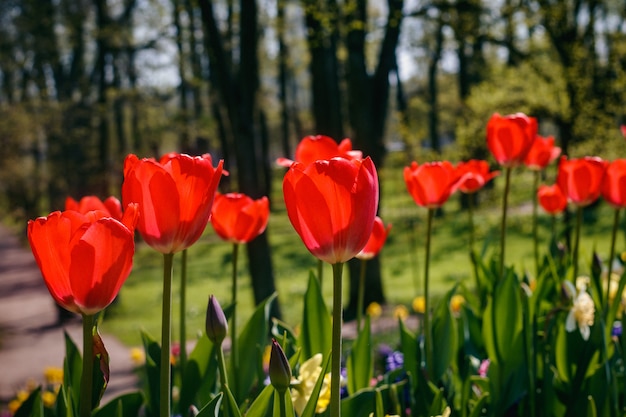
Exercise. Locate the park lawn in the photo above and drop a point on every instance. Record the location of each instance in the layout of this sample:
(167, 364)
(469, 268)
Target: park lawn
(138, 307)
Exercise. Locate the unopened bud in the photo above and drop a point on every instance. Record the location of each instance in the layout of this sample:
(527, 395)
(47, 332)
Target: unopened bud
(216, 324)
(280, 371)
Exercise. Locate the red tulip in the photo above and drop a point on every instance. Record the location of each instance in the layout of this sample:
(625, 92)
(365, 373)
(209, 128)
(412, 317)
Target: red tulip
(238, 218)
(509, 138)
(551, 198)
(474, 175)
(542, 153)
(614, 184)
(376, 241)
(312, 148)
(432, 183)
(332, 204)
(581, 179)
(84, 258)
(175, 196)
(111, 205)
(623, 129)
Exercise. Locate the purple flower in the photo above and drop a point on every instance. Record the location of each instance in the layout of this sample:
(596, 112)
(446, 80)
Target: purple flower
(617, 329)
(394, 361)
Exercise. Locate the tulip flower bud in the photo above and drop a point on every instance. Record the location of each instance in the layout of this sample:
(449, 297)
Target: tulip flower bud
(216, 324)
(280, 371)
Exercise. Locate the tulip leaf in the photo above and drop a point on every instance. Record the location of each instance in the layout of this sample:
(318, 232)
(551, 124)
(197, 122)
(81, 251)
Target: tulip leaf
(444, 336)
(380, 407)
(212, 409)
(231, 403)
(261, 403)
(101, 369)
(311, 405)
(316, 325)
(61, 405)
(410, 350)
(360, 364)
(477, 411)
(72, 373)
(32, 406)
(126, 405)
(361, 404)
(151, 366)
(200, 371)
(251, 342)
(288, 405)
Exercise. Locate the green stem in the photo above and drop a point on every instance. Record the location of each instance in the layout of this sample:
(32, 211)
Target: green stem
(282, 399)
(535, 217)
(234, 352)
(505, 203)
(611, 255)
(183, 311)
(166, 330)
(221, 363)
(86, 382)
(335, 387)
(470, 211)
(579, 220)
(360, 296)
(428, 347)
(529, 332)
(320, 271)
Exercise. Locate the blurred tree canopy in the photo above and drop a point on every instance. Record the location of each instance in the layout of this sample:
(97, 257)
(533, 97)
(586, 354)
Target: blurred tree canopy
(84, 82)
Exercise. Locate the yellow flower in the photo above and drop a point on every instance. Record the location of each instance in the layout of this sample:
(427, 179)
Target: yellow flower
(137, 356)
(400, 312)
(48, 398)
(374, 310)
(456, 302)
(582, 283)
(302, 387)
(581, 314)
(14, 405)
(419, 304)
(53, 375)
(446, 412)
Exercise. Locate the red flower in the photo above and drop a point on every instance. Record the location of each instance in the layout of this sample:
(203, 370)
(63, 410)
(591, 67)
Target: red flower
(623, 129)
(474, 175)
(376, 241)
(614, 184)
(312, 148)
(581, 179)
(332, 204)
(509, 138)
(111, 205)
(551, 198)
(175, 196)
(542, 153)
(84, 258)
(432, 183)
(238, 218)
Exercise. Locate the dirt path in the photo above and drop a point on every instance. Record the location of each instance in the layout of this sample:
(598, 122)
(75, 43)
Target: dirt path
(30, 338)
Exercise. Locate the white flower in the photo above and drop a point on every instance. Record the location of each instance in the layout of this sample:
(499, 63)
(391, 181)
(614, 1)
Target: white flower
(581, 315)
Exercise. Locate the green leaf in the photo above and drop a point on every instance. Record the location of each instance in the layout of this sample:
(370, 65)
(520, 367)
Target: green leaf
(591, 407)
(477, 411)
(410, 350)
(360, 366)
(32, 406)
(126, 405)
(361, 404)
(444, 336)
(316, 329)
(251, 342)
(380, 407)
(231, 403)
(288, 405)
(212, 409)
(61, 405)
(151, 366)
(309, 409)
(197, 373)
(261, 403)
(72, 373)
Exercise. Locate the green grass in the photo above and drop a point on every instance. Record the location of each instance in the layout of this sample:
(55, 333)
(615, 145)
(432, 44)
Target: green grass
(209, 270)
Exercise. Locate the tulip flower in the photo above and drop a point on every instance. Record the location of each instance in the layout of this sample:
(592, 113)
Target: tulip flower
(509, 138)
(372, 247)
(312, 148)
(216, 328)
(581, 181)
(84, 260)
(552, 199)
(238, 218)
(622, 128)
(432, 183)
(614, 192)
(541, 153)
(332, 204)
(175, 195)
(475, 174)
(111, 205)
(279, 369)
